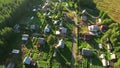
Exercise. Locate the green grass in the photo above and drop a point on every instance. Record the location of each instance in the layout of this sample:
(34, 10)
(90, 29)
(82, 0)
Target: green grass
(43, 64)
(113, 9)
(2, 66)
(96, 62)
(35, 56)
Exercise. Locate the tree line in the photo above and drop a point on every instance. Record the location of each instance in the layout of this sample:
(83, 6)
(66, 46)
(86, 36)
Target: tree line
(10, 12)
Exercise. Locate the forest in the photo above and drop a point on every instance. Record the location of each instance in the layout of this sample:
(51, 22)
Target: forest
(10, 13)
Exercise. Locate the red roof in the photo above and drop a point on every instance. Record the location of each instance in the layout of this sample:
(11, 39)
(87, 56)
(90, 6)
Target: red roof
(103, 27)
(88, 37)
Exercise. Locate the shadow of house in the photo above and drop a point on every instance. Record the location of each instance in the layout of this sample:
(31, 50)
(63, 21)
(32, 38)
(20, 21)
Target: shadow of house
(93, 43)
(64, 57)
(96, 61)
(87, 52)
(87, 3)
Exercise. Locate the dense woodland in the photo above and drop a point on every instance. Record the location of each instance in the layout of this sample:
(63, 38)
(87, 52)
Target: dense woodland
(10, 13)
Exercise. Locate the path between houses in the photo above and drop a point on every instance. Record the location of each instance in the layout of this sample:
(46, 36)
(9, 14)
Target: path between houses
(74, 41)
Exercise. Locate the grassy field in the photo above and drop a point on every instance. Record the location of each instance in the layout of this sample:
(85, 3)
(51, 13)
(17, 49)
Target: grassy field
(111, 7)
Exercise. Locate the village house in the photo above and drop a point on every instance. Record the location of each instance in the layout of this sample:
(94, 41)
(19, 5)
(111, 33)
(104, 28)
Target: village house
(41, 41)
(61, 31)
(93, 29)
(60, 44)
(27, 60)
(25, 37)
(47, 29)
(84, 18)
(87, 52)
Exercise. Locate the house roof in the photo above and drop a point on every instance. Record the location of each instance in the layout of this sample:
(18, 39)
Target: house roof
(55, 22)
(104, 62)
(83, 11)
(87, 52)
(47, 28)
(109, 46)
(102, 56)
(11, 65)
(15, 51)
(41, 40)
(100, 46)
(17, 26)
(33, 27)
(57, 32)
(32, 18)
(63, 30)
(113, 56)
(93, 28)
(83, 17)
(61, 44)
(61, 23)
(34, 10)
(25, 37)
(27, 60)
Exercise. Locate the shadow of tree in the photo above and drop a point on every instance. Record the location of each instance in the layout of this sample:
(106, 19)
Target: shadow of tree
(64, 57)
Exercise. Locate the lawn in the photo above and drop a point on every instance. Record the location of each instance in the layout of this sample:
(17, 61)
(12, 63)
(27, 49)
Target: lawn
(112, 10)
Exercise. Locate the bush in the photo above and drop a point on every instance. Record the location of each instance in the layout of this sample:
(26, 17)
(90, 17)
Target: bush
(51, 40)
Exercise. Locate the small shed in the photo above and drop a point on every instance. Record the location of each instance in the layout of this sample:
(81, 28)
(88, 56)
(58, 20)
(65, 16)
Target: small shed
(32, 18)
(84, 18)
(104, 62)
(87, 52)
(60, 44)
(61, 24)
(55, 22)
(33, 27)
(102, 56)
(25, 37)
(57, 32)
(27, 60)
(41, 41)
(100, 46)
(113, 57)
(15, 51)
(109, 46)
(34, 10)
(47, 29)
(16, 27)
(84, 11)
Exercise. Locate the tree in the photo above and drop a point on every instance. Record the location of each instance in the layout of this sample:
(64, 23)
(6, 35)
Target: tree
(51, 40)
